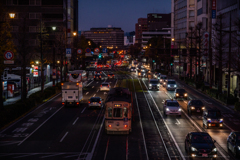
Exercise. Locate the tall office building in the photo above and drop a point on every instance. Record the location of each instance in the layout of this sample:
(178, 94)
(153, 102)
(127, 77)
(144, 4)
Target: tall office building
(140, 27)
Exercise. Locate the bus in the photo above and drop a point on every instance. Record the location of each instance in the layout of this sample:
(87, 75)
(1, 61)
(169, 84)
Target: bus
(78, 76)
(118, 111)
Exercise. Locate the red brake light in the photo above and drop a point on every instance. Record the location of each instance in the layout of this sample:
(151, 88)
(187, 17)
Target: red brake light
(62, 103)
(101, 86)
(100, 102)
(125, 126)
(94, 76)
(108, 86)
(108, 75)
(77, 103)
(89, 102)
(100, 76)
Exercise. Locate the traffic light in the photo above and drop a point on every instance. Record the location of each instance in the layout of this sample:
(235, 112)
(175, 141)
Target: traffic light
(171, 64)
(100, 56)
(153, 61)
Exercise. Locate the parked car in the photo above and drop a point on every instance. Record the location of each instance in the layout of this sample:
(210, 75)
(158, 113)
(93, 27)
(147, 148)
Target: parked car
(233, 143)
(196, 106)
(171, 84)
(200, 144)
(96, 102)
(105, 86)
(212, 118)
(153, 84)
(180, 93)
(171, 107)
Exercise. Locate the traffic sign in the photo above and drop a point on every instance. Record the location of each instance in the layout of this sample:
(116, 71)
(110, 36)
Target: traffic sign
(79, 51)
(8, 55)
(54, 73)
(88, 50)
(104, 50)
(68, 52)
(96, 50)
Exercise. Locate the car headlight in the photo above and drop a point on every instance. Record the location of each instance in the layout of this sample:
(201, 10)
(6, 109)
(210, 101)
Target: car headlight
(167, 109)
(179, 110)
(160, 80)
(214, 150)
(165, 83)
(192, 107)
(150, 84)
(185, 94)
(177, 94)
(168, 85)
(175, 85)
(203, 108)
(238, 147)
(193, 149)
(158, 85)
(209, 119)
(221, 120)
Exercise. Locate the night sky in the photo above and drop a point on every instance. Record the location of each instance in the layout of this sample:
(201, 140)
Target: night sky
(118, 13)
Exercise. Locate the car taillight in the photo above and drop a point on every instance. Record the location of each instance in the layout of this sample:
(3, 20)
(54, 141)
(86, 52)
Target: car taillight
(108, 86)
(62, 103)
(100, 76)
(77, 103)
(100, 102)
(109, 125)
(89, 102)
(94, 76)
(101, 86)
(108, 75)
(125, 126)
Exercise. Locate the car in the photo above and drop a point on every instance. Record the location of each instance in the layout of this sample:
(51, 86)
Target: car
(110, 75)
(195, 105)
(212, 118)
(98, 72)
(171, 107)
(180, 93)
(95, 102)
(156, 75)
(163, 79)
(133, 69)
(200, 145)
(97, 77)
(153, 84)
(171, 84)
(143, 72)
(233, 143)
(105, 86)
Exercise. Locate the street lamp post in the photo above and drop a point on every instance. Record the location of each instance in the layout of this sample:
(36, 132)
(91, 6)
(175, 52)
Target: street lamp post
(75, 49)
(54, 68)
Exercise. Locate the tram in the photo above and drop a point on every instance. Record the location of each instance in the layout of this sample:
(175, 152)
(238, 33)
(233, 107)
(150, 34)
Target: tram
(118, 111)
(78, 76)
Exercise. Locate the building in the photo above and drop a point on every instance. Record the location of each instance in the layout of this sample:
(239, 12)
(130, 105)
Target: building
(140, 27)
(129, 38)
(111, 37)
(157, 21)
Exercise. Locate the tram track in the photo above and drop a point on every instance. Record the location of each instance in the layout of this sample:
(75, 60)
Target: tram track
(152, 125)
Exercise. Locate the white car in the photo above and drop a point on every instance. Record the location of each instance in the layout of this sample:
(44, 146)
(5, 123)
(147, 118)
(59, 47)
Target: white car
(171, 84)
(105, 86)
(163, 80)
(172, 107)
(95, 102)
(154, 84)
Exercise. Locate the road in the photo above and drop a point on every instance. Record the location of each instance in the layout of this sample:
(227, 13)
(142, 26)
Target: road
(52, 131)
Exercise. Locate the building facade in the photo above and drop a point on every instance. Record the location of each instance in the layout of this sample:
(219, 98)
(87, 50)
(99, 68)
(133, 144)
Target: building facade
(140, 27)
(111, 37)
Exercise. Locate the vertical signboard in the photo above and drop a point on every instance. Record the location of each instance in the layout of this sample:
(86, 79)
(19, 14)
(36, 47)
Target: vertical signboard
(205, 43)
(213, 9)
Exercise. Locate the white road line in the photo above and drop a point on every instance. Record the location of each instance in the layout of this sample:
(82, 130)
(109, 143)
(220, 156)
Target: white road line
(89, 83)
(83, 110)
(94, 95)
(115, 83)
(64, 136)
(87, 93)
(190, 98)
(178, 122)
(75, 121)
(97, 90)
(52, 155)
(40, 126)
(228, 127)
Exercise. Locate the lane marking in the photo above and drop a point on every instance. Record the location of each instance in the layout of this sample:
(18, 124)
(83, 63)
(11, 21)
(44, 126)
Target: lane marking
(40, 126)
(83, 110)
(87, 93)
(178, 122)
(97, 90)
(75, 121)
(92, 86)
(64, 137)
(94, 95)
(89, 83)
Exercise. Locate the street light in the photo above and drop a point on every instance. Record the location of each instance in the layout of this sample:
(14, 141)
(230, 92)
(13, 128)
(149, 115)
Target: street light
(12, 15)
(54, 69)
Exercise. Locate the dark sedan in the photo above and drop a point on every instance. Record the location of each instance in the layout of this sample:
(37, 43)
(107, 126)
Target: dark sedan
(110, 76)
(233, 143)
(200, 144)
(180, 93)
(196, 106)
(98, 77)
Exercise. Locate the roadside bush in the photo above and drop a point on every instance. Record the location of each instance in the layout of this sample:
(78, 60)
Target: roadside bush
(229, 100)
(237, 106)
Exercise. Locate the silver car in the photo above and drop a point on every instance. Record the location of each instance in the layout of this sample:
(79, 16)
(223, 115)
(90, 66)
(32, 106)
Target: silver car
(171, 85)
(172, 107)
(105, 86)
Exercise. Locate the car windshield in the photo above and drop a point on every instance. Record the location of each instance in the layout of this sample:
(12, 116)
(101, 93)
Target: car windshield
(214, 114)
(163, 77)
(181, 90)
(153, 82)
(95, 99)
(171, 82)
(201, 139)
(104, 84)
(175, 104)
(197, 103)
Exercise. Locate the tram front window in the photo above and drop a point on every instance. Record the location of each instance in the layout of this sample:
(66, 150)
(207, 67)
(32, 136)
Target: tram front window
(74, 76)
(125, 112)
(117, 112)
(109, 112)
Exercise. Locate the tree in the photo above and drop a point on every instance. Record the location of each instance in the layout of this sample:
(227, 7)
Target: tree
(6, 44)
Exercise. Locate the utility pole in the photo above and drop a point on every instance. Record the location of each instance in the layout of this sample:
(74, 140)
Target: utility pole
(210, 41)
(42, 74)
(229, 54)
(191, 55)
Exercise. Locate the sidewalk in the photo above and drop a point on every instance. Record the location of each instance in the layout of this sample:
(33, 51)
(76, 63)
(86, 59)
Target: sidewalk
(14, 99)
